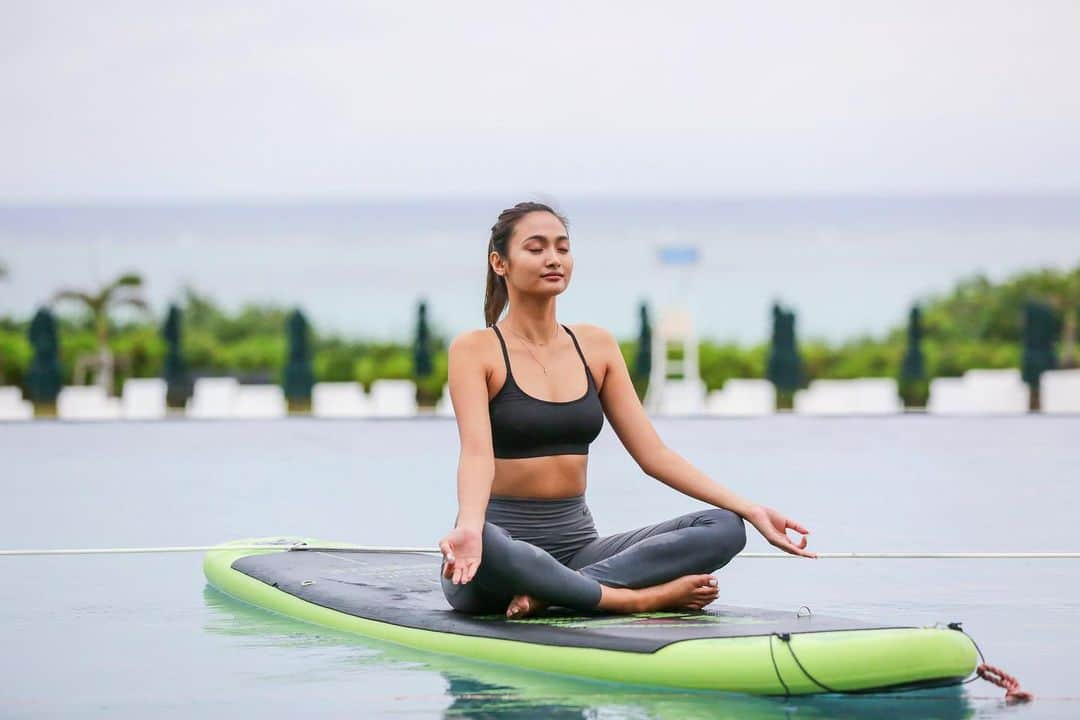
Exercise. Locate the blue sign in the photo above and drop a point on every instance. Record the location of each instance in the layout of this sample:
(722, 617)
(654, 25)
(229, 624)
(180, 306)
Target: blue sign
(679, 255)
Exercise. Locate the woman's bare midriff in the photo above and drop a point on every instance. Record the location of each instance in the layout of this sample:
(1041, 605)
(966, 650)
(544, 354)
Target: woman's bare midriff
(553, 476)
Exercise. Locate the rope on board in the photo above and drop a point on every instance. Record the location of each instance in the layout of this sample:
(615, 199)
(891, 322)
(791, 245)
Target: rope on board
(1013, 692)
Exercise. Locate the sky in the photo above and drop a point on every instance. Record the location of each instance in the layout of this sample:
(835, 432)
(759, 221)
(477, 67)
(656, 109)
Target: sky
(136, 101)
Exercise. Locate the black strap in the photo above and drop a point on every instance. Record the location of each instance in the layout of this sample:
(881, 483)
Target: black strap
(506, 355)
(580, 354)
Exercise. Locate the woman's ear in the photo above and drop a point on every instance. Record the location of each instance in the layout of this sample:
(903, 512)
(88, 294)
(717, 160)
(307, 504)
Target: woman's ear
(497, 264)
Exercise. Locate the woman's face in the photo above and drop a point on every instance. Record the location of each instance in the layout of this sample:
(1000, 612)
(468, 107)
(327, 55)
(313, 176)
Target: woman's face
(539, 255)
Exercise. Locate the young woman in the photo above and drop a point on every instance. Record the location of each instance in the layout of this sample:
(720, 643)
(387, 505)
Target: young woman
(530, 395)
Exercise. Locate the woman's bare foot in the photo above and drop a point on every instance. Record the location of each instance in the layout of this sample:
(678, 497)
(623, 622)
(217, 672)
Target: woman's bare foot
(522, 606)
(689, 592)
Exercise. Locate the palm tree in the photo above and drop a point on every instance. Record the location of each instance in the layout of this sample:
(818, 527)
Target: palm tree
(122, 291)
(1067, 302)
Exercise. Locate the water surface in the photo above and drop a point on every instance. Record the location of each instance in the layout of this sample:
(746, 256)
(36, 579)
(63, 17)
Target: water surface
(142, 635)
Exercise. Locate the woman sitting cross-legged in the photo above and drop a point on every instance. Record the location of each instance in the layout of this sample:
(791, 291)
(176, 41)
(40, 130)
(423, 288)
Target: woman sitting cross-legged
(524, 537)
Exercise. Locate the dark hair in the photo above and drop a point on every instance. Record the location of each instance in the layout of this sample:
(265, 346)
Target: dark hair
(495, 297)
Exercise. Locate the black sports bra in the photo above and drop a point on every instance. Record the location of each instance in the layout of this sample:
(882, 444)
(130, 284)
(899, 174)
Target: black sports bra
(523, 426)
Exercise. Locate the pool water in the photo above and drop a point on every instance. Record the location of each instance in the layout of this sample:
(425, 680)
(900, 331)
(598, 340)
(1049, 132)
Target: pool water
(142, 635)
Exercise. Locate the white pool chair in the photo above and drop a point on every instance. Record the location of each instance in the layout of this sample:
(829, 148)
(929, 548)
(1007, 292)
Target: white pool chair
(339, 400)
(12, 405)
(949, 396)
(445, 406)
(143, 399)
(997, 392)
(825, 397)
(86, 402)
(741, 397)
(259, 402)
(682, 396)
(858, 396)
(212, 398)
(877, 396)
(1060, 391)
(393, 398)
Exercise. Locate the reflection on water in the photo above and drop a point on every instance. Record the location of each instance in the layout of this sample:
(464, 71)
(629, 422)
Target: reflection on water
(477, 689)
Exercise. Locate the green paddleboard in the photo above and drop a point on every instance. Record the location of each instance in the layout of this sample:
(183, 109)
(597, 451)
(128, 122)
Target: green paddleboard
(397, 597)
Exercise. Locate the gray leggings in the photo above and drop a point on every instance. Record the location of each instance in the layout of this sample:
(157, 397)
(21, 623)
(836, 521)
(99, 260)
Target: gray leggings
(534, 546)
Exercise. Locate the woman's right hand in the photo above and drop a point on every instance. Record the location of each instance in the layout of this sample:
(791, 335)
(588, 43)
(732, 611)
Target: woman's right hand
(461, 549)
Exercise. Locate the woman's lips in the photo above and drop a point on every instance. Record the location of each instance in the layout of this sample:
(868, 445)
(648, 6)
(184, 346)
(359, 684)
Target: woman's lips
(552, 277)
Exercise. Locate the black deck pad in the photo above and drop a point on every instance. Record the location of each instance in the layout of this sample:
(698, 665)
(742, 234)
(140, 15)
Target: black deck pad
(404, 589)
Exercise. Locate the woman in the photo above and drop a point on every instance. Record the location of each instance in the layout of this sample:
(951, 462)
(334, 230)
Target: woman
(524, 537)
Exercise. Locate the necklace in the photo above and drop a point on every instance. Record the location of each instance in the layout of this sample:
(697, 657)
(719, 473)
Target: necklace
(527, 343)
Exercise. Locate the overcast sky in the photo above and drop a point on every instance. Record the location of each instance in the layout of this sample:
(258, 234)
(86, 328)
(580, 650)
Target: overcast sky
(149, 100)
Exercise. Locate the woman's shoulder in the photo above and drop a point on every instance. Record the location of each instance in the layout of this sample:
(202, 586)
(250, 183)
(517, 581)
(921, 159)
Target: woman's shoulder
(472, 341)
(594, 335)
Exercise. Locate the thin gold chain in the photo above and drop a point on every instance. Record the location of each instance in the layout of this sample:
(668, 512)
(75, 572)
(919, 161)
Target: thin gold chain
(527, 343)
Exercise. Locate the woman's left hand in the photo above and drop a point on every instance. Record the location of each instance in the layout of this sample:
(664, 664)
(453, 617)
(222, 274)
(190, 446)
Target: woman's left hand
(773, 526)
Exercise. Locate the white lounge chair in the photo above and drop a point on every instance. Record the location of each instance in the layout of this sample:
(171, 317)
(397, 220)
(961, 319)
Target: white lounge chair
(859, 396)
(998, 392)
(212, 398)
(393, 398)
(12, 405)
(682, 396)
(979, 392)
(878, 396)
(743, 398)
(339, 400)
(949, 396)
(86, 402)
(1060, 391)
(445, 406)
(260, 402)
(143, 399)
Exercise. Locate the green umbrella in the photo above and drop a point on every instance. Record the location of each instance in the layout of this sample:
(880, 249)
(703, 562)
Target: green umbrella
(175, 368)
(913, 367)
(1041, 328)
(43, 379)
(913, 386)
(643, 356)
(298, 374)
(784, 367)
(422, 361)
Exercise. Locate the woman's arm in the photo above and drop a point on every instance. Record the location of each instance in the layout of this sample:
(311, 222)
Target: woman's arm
(462, 547)
(633, 427)
(636, 431)
(469, 395)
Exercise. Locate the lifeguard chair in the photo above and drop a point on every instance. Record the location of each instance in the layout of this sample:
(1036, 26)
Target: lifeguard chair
(675, 384)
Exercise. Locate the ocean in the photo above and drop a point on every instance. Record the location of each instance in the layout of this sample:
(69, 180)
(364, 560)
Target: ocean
(848, 265)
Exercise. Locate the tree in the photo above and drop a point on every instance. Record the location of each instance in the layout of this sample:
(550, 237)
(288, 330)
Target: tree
(299, 377)
(125, 290)
(43, 378)
(1066, 300)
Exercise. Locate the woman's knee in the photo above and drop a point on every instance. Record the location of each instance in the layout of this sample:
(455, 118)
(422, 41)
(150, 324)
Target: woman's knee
(731, 530)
